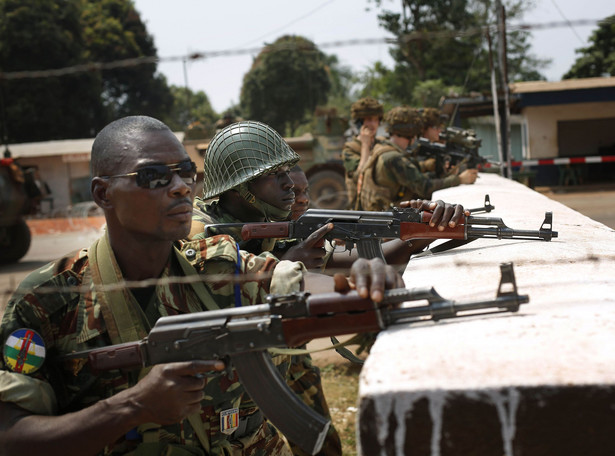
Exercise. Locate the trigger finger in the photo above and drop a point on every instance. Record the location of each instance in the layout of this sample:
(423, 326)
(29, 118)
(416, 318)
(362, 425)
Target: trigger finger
(319, 234)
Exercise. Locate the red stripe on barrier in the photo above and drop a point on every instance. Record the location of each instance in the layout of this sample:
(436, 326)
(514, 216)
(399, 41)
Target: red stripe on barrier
(551, 161)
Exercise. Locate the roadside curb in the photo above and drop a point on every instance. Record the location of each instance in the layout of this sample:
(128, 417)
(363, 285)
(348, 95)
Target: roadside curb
(64, 225)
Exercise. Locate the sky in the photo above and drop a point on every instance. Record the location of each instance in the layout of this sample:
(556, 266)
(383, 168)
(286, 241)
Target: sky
(183, 27)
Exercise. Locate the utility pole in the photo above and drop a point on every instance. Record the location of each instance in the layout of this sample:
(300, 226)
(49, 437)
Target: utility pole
(496, 106)
(503, 65)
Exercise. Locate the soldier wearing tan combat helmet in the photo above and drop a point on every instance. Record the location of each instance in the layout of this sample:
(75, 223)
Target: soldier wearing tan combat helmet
(391, 176)
(366, 113)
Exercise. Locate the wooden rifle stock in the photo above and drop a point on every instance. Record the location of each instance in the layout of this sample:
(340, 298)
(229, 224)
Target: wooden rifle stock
(265, 230)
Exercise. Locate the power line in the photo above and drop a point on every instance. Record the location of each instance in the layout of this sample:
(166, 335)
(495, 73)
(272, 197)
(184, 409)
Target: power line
(99, 66)
(290, 23)
(561, 13)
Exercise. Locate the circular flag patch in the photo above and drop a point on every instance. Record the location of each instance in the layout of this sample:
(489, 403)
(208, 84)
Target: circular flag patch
(24, 351)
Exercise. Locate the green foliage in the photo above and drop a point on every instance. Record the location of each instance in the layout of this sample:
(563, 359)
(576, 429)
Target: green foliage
(287, 81)
(53, 34)
(598, 59)
(431, 47)
(189, 108)
(113, 30)
(429, 93)
(39, 35)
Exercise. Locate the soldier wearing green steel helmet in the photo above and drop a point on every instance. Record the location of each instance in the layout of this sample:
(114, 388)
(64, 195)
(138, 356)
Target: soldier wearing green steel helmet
(366, 113)
(247, 166)
(391, 175)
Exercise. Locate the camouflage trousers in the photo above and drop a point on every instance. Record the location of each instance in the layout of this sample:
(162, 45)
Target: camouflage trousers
(305, 381)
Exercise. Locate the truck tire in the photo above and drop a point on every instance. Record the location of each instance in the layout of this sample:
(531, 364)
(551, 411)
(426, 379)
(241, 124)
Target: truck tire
(327, 190)
(14, 242)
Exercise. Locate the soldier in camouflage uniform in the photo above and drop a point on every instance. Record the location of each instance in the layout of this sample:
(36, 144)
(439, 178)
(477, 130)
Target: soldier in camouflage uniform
(144, 181)
(392, 176)
(367, 114)
(433, 121)
(247, 166)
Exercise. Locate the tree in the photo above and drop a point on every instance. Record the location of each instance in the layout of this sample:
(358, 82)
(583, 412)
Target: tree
(430, 45)
(56, 34)
(41, 35)
(189, 108)
(286, 82)
(597, 59)
(113, 30)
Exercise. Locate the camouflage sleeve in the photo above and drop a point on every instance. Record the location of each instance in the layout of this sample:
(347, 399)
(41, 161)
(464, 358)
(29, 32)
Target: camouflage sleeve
(260, 274)
(32, 391)
(29, 393)
(351, 155)
(403, 171)
(287, 277)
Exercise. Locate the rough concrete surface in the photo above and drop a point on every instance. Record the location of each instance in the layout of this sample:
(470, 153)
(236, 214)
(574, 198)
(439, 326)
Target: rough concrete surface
(499, 371)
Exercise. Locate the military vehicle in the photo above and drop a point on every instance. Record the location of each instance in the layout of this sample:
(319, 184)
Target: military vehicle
(20, 193)
(321, 160)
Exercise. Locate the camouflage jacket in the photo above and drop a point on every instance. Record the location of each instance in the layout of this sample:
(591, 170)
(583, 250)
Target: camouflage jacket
(69, 319)
(392, 176)
(303, 377)
(351, 156)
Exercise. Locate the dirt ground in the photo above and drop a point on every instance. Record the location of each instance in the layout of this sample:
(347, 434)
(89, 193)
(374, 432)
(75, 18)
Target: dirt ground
(595, 201)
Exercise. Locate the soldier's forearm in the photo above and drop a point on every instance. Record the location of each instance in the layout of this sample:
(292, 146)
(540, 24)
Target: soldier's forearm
(80, 433)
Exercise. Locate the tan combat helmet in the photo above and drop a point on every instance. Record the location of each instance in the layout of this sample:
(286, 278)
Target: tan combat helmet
(366, 107)
(404, 121)
(242, 152)
(433, 117)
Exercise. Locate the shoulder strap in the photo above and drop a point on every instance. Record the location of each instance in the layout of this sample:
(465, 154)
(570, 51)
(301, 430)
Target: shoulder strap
(124, 319)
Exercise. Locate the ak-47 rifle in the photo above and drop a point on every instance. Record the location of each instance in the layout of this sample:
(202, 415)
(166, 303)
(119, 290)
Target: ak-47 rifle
(241, 336)
(367, 229)
(487, 207)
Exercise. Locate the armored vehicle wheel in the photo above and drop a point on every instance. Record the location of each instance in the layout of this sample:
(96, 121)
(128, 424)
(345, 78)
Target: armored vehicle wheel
(327, 190)
(14, 242)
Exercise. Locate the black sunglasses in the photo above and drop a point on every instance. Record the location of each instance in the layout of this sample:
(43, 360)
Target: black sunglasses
(156, 176)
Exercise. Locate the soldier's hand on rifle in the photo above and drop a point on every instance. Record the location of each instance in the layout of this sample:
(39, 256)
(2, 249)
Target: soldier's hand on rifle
(311, 251)
(443, 214)
(429, 165)
(170, 392)
(370, 278)
(468, 176)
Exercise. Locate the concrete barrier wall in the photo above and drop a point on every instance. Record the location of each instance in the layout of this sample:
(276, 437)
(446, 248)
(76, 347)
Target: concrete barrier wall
(538, 382)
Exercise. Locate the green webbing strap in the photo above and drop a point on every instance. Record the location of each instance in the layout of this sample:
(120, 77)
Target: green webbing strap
(198, 286)
(124, 320)
(337, 346)
(208, 300)
(345, 353)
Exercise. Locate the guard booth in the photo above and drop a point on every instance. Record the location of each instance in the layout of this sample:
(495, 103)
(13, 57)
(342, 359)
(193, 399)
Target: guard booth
(537, 382)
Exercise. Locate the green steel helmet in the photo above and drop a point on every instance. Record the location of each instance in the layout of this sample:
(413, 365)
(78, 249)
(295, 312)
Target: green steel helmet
(242, 152)
(432, 117)
(366, 107)
(404, 121)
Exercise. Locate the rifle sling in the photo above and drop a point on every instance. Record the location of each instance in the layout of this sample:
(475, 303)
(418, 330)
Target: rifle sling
(336, 345)
(453, 243)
